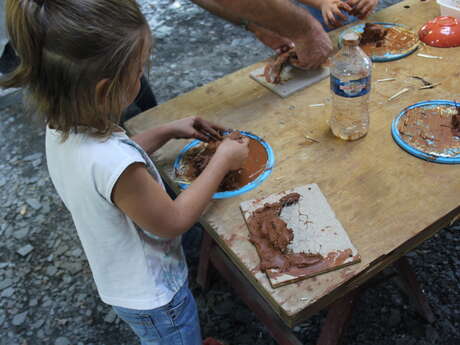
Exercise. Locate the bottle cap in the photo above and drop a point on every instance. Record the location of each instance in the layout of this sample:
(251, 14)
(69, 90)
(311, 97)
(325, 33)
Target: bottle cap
(350, 39)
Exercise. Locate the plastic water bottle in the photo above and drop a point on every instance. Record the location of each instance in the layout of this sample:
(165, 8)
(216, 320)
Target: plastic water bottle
(350, 86)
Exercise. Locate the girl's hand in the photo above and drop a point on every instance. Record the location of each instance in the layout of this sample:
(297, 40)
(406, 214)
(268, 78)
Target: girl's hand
(195, 127)
(332, 11)
(361, 8)
(235, 152)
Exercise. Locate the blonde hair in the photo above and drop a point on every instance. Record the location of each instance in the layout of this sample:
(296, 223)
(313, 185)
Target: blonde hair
(66, 47)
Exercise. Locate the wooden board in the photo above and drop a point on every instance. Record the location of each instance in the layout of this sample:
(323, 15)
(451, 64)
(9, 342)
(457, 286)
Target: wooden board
(388, 200)
(292, 79)
(316, 231)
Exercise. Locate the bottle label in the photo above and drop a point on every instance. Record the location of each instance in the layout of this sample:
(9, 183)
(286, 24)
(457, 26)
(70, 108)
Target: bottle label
(351, 88)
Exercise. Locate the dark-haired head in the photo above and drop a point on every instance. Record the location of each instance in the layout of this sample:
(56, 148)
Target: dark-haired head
(80, 59)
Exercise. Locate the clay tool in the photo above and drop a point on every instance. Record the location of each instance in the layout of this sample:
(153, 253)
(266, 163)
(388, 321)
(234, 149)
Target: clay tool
(292, 79)
(316, 231)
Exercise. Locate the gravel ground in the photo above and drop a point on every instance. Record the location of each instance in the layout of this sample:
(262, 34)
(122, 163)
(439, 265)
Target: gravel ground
(47, 295)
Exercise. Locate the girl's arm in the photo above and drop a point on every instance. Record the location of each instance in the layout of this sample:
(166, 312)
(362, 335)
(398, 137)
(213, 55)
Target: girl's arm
(190, 127)
(144, 201)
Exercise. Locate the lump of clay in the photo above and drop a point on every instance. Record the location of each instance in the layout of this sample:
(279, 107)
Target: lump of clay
(271, 236)
(374, 34)
(456, 123)
(197, 158)
(274, 68)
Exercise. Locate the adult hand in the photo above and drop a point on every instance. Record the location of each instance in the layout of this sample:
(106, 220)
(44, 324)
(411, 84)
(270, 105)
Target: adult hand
(332, 12)
(195, 127)
(361, 8)
(312, 48)
(234, 151)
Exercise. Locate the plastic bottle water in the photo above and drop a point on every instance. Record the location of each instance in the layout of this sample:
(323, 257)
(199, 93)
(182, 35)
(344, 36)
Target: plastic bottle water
(350, 86)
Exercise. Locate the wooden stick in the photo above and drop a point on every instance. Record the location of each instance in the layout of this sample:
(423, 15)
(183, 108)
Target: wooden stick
(399, 93)
(429, 56)
(386, 79)
(429, 86)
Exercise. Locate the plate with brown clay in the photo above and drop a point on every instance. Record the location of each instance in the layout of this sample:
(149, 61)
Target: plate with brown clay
(430, 130)
(384, 41)
(195, 156)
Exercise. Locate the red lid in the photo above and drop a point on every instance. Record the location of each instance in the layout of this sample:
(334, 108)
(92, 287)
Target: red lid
(442, 32)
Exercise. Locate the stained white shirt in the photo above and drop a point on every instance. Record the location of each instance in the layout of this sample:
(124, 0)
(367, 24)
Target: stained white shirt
(131, 268)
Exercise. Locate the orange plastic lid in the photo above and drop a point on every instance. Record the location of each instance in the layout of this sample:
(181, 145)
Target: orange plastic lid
(442, 32)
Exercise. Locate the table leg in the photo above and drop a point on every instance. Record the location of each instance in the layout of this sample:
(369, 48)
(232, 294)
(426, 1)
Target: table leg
(203, 265)
(282, 334)
(338, 316)
(339, 313)
(413, 289)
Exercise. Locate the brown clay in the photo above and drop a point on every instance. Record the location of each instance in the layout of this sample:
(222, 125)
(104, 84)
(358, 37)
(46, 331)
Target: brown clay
(271, 236)
(456, 123)
(273, 69)
(196, 160)
(373, 33)
(395, 40)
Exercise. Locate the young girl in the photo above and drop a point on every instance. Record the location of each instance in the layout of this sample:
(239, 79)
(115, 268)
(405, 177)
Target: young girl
(81, 61)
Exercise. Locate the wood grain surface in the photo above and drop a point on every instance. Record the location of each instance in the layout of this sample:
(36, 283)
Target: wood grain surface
(388, 201)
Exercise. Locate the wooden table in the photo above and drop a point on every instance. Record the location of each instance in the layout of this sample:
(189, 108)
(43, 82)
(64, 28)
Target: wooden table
(388, 201)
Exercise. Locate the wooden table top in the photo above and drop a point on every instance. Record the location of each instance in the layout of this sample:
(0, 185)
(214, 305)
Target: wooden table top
(387, 200)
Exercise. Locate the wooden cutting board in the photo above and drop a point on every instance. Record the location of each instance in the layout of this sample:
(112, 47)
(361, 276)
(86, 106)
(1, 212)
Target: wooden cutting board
(316, 230)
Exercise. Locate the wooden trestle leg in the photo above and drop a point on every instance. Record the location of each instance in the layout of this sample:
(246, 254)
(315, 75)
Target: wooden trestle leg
(413, 290)
(339, 313)
(203, 266)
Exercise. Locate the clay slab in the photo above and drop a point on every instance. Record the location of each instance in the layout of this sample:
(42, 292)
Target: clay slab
(292, 79)
(316, 230)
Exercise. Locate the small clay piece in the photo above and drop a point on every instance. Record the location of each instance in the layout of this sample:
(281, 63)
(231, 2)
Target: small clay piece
(271, 236)
(235, 135)
(197, 158)
(273, 69)
(374, 34)
(456, 123)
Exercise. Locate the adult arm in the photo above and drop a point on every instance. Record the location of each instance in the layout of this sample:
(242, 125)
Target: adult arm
(282, 17)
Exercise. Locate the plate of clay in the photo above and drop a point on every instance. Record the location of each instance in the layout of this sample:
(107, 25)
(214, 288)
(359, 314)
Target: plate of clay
(194, 157)
(384, 41)
(430, 130)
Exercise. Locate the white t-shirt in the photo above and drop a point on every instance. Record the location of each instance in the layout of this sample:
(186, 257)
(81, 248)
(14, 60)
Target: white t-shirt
(131, 268)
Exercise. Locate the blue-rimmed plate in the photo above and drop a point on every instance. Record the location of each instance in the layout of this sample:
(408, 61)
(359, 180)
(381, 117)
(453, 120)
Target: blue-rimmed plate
(228, 194)
(428, 149)
(399, 42)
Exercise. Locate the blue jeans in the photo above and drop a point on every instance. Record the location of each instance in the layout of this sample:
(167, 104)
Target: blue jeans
(175, 323)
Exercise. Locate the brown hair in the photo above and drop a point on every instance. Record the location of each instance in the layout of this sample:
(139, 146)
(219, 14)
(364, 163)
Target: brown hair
(66, 47)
